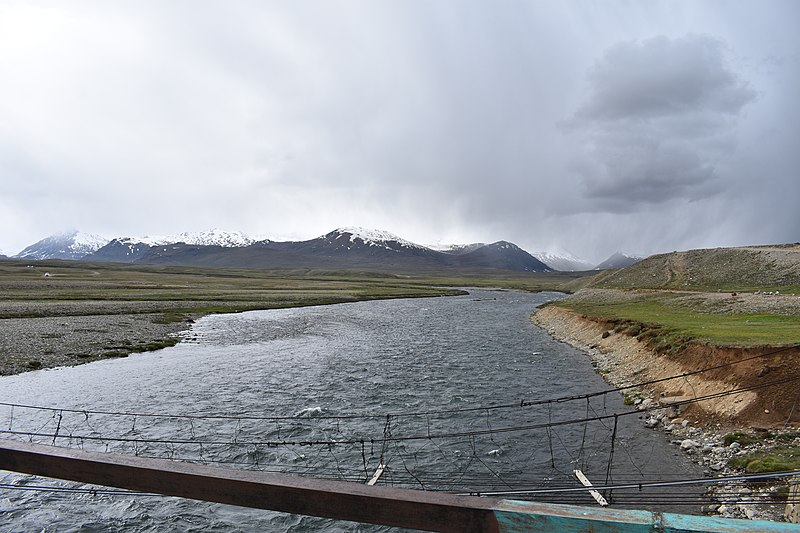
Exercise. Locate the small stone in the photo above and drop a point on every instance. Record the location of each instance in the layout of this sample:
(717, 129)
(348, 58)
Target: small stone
(734, 446)
(651, 422)
(685, 423)
(766, 411)
(716, 467)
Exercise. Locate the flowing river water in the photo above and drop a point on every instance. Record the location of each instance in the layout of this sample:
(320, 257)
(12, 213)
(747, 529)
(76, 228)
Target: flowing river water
(433, 388)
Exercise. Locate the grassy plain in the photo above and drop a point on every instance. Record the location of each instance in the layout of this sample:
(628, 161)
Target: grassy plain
(52, 288)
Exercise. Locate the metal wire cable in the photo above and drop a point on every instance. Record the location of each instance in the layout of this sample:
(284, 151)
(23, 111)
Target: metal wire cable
(391, 437)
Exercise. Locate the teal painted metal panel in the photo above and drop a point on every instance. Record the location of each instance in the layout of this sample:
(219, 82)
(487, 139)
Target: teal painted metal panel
(678, 523)
(531, 517)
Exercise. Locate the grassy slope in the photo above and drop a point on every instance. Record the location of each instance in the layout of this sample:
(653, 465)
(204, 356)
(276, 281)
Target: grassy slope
(646, 295)
(747, 269)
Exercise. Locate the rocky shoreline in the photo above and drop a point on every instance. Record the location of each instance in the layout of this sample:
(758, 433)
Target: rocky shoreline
(623, 361)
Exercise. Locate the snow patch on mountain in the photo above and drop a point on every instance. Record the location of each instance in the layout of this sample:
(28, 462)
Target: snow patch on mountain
(214, 237)
(455, 249)
(371, 237)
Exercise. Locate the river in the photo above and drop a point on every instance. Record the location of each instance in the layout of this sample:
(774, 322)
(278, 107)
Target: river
(307, 391)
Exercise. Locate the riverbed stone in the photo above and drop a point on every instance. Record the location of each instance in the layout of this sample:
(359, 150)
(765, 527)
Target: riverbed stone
(689, 445)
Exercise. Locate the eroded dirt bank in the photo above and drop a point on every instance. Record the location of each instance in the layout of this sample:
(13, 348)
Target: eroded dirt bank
(771, 400)
(703, 430)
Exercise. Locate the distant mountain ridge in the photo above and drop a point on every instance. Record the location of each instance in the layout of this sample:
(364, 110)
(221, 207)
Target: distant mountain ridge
(618, 260)
(344, 248)
(563, 261)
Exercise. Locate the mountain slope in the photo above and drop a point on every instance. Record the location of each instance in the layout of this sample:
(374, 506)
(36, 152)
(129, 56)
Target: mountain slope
(70, 245)
(502, 255)
(456, 249)
(618, 260)
(344, 248)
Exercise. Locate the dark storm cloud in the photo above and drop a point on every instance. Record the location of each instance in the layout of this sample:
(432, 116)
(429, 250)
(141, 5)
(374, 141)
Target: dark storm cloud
(660, 114)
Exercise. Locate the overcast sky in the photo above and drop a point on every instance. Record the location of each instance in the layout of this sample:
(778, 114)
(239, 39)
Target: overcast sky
(585, 126)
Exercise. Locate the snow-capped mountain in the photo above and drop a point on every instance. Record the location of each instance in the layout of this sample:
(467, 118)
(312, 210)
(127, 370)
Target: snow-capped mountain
(353, 236)
(563, 261)
(69, 245)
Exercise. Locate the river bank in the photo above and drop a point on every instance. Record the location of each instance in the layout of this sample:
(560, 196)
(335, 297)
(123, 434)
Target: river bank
(55, 341)
(713, 432)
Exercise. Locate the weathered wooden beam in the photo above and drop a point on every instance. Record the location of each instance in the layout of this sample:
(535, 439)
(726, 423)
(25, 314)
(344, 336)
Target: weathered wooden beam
(431, 511)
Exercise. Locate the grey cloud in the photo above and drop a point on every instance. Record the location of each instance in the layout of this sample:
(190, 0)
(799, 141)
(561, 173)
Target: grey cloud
(660, 114)
(662, 77)
(653, 174)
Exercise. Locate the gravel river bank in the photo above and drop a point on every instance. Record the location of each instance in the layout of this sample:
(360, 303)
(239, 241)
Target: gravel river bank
(55, 334)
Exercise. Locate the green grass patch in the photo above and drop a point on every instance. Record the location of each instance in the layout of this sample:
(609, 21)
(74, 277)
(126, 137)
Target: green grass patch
(671, 322)
(741, 437)
(779, 459)
(170, 317)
